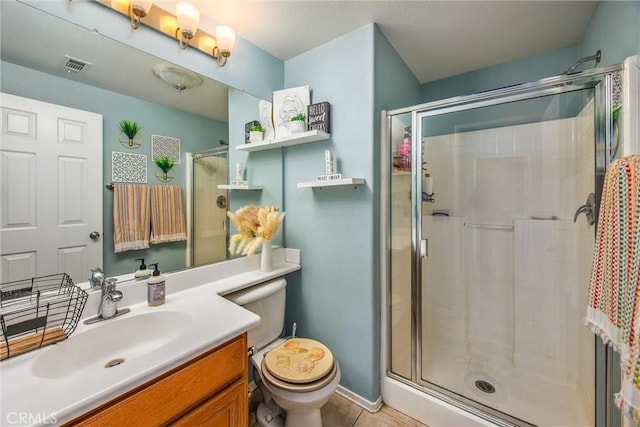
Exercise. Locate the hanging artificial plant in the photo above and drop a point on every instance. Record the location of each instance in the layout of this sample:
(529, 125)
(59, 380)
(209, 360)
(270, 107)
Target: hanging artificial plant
(130, 129)
(165, 164)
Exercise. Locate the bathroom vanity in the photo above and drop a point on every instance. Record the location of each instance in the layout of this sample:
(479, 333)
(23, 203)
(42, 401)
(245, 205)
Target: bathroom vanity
(182, 363)
(209, 390)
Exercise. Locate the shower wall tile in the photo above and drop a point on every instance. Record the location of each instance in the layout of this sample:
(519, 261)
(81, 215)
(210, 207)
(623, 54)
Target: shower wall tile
(489, 283)
(444, 314)
(495, 189)
(505, 141)
(546, 304)
(523, 140)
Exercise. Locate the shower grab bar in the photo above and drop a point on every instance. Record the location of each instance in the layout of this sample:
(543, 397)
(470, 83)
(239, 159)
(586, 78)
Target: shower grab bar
(489, 226)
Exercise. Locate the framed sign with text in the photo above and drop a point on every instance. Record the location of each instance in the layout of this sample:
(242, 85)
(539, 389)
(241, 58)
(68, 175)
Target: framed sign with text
(318, 116)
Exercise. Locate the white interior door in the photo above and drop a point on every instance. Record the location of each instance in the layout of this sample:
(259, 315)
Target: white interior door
(51, 173)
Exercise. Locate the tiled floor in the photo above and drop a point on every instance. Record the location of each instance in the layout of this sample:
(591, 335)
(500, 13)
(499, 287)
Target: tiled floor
(341, 412)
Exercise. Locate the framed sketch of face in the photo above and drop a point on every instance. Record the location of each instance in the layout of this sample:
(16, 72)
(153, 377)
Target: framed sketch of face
(286, 104)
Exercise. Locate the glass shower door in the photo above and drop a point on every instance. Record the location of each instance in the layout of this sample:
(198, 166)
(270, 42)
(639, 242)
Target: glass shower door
(504, 272)
(209, 208)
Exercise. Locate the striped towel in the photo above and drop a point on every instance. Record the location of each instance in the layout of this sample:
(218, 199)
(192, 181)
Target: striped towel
(167, 216)
(613, 311)
(131, 217)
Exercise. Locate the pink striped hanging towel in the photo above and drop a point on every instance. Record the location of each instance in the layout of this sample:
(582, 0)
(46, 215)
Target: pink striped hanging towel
(167, 215)
(131, 217)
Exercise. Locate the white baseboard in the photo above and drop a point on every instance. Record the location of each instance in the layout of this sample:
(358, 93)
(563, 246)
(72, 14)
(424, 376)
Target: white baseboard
(359, 400)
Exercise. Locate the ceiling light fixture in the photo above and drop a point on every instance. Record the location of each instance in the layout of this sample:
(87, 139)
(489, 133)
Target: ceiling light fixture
(178, 78)
(188, 19)
(183, 26)
(226, 40)
(138, 9)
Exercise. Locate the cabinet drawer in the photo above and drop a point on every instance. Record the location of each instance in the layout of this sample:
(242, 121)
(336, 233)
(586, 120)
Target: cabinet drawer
(173, 394)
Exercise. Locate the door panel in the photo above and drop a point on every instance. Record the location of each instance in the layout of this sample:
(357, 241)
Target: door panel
(503, 289)
(51, 189)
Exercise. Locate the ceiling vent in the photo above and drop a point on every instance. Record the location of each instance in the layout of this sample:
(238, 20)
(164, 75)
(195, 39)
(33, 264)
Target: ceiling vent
(75, 65)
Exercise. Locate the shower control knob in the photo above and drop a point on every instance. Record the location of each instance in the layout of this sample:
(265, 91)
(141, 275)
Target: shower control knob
(268, 418)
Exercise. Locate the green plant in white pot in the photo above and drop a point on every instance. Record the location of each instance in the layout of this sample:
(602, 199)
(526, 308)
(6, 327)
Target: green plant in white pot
(256, 133)
(298, 123)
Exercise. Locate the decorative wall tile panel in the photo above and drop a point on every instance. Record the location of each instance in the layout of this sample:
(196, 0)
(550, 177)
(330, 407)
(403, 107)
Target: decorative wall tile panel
(127, 167)
(162, 146)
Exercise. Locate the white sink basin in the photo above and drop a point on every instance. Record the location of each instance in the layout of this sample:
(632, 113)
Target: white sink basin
(111, 343)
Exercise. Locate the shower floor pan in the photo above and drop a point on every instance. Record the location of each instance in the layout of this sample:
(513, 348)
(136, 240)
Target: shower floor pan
(502, 386)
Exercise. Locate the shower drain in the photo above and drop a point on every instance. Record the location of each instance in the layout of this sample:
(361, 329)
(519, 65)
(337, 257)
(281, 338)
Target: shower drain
(485, 386)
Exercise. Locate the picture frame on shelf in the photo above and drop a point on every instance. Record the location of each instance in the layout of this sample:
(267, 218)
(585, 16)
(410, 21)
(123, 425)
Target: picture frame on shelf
(288, 103)
(318, 116)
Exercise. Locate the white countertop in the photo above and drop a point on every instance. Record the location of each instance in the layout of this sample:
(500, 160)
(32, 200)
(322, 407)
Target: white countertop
(29, 399)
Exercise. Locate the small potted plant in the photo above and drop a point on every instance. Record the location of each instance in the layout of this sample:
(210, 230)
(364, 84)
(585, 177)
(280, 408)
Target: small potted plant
(256, 133)
(130, 129)
(298, 123)
(165, 164)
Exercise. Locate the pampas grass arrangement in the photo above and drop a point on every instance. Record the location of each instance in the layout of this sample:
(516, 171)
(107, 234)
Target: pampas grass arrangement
(256, 225)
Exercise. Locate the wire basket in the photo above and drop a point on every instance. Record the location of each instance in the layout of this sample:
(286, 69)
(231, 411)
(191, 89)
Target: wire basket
(37, 312)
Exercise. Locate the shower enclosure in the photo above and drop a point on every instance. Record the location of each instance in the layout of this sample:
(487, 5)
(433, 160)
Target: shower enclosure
(490, 210)
(208, 207)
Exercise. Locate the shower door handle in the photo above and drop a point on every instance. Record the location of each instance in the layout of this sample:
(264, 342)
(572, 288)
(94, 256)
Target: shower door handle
(424, 248)
(588, 209)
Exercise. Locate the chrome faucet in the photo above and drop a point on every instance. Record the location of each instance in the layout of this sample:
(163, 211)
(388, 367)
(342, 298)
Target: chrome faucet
(96, 277)
(109, 298)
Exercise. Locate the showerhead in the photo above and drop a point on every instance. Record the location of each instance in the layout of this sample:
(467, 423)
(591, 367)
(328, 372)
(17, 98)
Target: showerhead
(595, 57)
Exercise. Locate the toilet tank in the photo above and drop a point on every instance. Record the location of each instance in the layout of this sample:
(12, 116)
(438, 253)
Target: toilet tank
(267, 300)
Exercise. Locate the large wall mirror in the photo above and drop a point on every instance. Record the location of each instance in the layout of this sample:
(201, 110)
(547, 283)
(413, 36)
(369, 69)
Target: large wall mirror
(115, 80)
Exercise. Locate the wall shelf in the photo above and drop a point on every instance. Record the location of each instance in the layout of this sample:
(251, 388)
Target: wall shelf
(286, 141)
(239, 187)
(333, 183)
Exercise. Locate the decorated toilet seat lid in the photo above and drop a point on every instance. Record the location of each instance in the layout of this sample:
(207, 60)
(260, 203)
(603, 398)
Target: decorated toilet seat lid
(299, 361)
(299, 388)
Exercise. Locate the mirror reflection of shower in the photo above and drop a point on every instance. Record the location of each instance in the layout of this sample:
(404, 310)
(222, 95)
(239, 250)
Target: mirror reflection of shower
(207, 206)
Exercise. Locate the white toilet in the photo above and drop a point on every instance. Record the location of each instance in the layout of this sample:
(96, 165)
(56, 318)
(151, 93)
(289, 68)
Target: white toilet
(297, 376)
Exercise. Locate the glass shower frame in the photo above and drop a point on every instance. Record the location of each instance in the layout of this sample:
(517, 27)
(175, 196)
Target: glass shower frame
(209, 233)
(600, 82)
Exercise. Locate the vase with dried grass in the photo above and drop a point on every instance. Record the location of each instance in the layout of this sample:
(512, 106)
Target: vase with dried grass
(257, 226)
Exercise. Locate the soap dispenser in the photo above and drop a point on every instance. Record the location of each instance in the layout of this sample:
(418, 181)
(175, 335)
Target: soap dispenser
(155, 287)
(142, 272)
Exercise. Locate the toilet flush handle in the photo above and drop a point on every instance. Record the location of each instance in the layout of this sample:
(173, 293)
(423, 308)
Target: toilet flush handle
(252, 350)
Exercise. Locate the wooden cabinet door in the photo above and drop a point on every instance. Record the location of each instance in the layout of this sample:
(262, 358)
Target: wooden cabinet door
(228, 408)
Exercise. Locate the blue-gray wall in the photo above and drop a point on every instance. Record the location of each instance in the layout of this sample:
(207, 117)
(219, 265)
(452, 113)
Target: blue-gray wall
(261, 168)
(336, 296)
(332, 298)
(615, 30)
(196, 133)
(527, 69)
